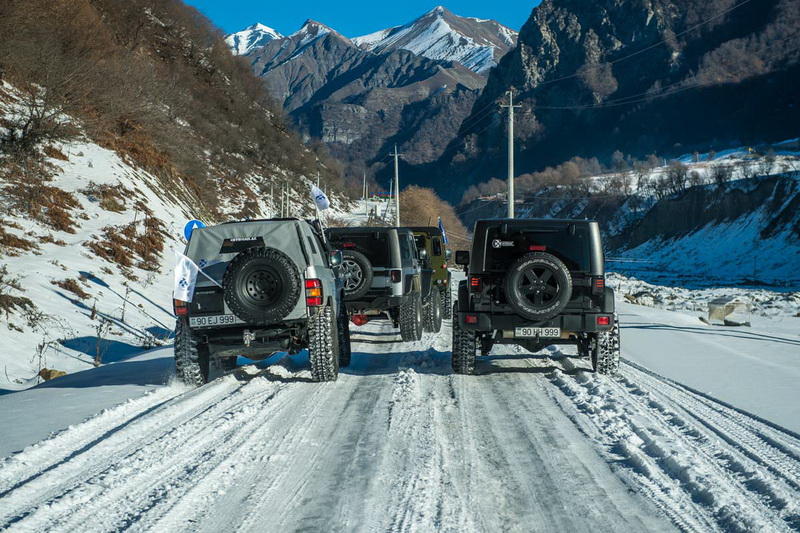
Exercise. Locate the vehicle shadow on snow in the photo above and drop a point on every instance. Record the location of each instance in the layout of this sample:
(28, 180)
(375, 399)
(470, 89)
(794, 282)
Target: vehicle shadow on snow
(156, 371)
(379, 364)
(494, 364)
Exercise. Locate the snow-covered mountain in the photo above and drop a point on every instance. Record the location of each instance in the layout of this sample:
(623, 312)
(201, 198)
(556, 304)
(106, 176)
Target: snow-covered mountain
(478, 44)
(243, 42)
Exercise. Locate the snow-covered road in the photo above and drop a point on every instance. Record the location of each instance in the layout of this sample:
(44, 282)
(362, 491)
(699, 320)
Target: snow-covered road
(401, 444)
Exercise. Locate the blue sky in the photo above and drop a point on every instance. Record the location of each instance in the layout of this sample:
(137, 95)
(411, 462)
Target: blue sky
(351, 18)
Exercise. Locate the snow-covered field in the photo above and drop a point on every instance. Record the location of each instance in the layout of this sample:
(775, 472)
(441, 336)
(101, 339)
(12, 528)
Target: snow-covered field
(399, 443)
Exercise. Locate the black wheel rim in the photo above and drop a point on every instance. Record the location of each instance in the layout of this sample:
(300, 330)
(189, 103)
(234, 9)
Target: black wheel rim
(538, 285)
(261, 287)
(353, 275)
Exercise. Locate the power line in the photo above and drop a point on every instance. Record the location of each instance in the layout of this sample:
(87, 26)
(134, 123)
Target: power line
(654, 45)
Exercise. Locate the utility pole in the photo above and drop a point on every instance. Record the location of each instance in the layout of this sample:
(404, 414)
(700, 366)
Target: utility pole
(272, 199)
(388, 201)
(396, 187)
(364, 190)
(510, 107)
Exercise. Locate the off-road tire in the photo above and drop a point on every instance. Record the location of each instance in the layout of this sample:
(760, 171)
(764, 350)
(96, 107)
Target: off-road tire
(353, 258)
(411, 318)
(447, 301)
(432, 318)
(606, 351)
(554, 272)
(263, 300)
(191, 356)
(323, 345)
(465, 347)
(344, 337)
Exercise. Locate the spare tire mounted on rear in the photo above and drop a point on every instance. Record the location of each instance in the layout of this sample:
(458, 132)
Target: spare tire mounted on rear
(262, 285)
(538, 286)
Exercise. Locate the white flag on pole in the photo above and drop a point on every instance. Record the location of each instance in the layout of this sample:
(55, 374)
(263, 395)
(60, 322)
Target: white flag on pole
(185, 277)
(186, 272)
(320, 198)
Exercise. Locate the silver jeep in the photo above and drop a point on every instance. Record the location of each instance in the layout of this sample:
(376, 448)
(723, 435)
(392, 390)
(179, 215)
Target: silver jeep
(275, 288)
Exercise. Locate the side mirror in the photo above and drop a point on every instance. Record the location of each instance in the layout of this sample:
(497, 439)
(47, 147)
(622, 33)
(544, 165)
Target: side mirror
(336, 258)
(448, 254)
(462, 257)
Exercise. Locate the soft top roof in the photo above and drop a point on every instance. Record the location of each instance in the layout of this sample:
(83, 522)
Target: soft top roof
(366, 229)
(430, 230)
(517, 222)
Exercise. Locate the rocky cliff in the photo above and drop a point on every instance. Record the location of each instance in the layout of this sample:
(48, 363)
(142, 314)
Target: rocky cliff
(639, 76)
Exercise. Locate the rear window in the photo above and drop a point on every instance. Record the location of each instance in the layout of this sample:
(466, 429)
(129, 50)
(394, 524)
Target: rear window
(573, 250)
(406, 253)
(437, 246)
(374, 245)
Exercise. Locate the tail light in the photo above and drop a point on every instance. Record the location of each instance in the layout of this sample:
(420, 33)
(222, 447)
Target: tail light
(359, 320)
(314, 294)
(598, 285)
(396, 276)
(603, 321)
(348, 245)
(180, 307)
(471, 319)
(475, 284)
(537, 248)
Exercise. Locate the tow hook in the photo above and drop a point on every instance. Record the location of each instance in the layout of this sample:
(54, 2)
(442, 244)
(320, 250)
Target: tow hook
(248, 337)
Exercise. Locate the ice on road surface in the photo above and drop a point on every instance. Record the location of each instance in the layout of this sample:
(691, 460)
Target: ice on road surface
(399, 443)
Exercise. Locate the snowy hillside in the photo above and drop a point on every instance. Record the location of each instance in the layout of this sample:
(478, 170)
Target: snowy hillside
(247, 40)
(98, 278)
(734, 220)
(439, 34)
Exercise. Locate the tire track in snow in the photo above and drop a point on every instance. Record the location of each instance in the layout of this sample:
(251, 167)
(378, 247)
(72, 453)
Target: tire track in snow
(34, 460)
(670, 447)
(770, 473)
(118, 448)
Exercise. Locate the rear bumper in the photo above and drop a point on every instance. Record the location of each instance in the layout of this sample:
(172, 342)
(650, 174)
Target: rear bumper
(378, 303)
(572, 323)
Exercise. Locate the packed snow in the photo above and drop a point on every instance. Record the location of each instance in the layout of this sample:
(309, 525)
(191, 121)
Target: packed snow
(533, 442)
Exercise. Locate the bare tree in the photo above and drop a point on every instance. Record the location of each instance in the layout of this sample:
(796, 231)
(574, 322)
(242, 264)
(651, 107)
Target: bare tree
(767, 163)
(101, 345)
(721, 174)
(677, 175)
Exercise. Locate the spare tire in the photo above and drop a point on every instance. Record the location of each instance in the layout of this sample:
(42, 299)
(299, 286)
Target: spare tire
(262, 285)
(538, 286)
(356, 271)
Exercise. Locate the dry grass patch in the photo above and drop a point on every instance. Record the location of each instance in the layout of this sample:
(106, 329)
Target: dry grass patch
(54, 153)
(49, 238)
(109, 197)
(12, 245)
(72, 286)
(27, 193)
(129, 245)
(8, 302)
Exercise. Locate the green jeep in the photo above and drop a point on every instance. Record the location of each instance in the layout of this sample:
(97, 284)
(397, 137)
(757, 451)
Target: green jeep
(436, 255)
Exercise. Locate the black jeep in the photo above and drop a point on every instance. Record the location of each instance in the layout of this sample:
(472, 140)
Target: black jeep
(535, 283)
(383, 276)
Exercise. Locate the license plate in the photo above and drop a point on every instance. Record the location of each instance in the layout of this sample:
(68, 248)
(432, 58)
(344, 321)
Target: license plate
(215, 320)
(537, 332)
